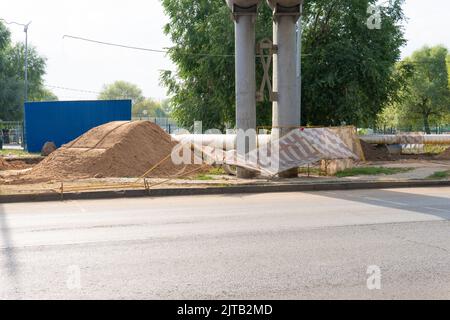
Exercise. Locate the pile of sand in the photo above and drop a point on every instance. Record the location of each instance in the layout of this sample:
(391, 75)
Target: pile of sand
(444, 155)
(3, 164)
(116, 149)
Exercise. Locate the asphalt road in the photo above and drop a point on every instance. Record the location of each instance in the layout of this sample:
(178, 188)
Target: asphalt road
(267, 246)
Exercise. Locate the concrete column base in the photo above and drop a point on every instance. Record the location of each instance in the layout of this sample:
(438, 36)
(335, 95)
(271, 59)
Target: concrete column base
(242, 173)
(331, 167)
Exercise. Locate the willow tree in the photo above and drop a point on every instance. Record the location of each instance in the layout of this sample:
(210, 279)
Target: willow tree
(428, 95)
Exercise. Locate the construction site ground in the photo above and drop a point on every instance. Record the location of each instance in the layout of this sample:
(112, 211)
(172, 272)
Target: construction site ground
(99, 160)
(418, 170)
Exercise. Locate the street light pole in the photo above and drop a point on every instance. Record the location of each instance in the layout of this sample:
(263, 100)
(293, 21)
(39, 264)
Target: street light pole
(25, 29)
(26, 61)
(24, 138)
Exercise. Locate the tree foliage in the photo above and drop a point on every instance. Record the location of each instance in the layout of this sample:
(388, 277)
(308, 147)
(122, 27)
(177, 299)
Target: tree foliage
(389, 117)
(43, 94)
(149, 107)
(12, 67)
(347, 68)
(142, 106)
(448, 70)
(36, 71)
(10, 87)
(428, 95)
(203, 85)
(121, 90)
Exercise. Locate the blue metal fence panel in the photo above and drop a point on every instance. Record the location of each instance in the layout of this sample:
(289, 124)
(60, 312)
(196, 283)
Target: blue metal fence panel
(63, 121)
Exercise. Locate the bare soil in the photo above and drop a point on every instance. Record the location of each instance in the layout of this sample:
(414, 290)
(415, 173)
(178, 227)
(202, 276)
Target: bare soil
(3, 164)
(444, 155)
(374, 152)
(116, 149)
(18, 165)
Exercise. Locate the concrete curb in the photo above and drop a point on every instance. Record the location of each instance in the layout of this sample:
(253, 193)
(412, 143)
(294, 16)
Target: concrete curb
(247, 189)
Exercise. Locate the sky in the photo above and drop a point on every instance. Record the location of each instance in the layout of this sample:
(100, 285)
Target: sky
(85, 67)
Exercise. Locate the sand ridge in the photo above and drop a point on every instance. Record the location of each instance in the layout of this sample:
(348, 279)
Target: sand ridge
(3, 164)
(116, 149)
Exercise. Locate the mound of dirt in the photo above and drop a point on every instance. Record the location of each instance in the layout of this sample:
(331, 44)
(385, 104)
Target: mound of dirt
(444, 155)
(18, 165)
(3, 164)
(374, 152)
(116, 149)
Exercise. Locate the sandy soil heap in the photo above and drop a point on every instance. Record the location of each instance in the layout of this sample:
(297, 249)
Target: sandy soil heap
(3, 164)
(116, 149)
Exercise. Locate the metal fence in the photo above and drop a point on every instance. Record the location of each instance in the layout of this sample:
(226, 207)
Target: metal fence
(167, 124)
(11, 132)
(434, 130)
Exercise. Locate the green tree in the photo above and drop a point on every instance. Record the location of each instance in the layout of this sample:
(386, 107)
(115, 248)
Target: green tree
(12, 67)
(121, 90)
(347, 68)
(150, 108)
(44, 94)
(36, 71)
(389, 117)
(392, 115)
(202, 89)
(10, 87)
(448, 70)
(428, 95)
(166, 107)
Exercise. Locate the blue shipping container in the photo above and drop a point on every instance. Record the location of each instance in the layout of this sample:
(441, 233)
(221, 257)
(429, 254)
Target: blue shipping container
(63, 121)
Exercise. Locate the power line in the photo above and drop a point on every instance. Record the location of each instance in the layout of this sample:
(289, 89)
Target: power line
(153, 50)
(87, 91)
(141, 48)
(71, 89)
(114, 44)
